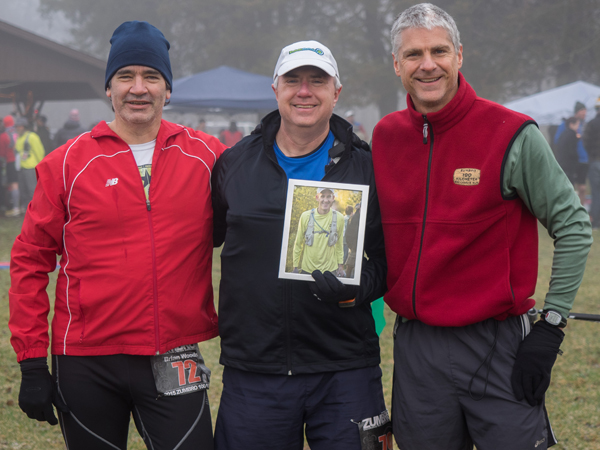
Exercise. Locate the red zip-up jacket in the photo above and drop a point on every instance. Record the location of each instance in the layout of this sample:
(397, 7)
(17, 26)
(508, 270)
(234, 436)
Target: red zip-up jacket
(458, 250)
(135, 275)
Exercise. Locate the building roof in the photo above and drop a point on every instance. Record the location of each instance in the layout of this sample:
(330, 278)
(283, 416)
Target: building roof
(33, 68)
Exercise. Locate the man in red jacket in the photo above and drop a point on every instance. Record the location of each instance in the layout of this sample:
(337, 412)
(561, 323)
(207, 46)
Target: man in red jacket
(462, 182)
(134, 293)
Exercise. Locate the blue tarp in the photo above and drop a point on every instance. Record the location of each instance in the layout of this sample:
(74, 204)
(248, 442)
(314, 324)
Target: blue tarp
(223, 87)
(552, 106)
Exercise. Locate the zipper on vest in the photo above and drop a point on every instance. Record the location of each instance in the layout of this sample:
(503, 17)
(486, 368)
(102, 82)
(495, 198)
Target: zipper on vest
(425, 134)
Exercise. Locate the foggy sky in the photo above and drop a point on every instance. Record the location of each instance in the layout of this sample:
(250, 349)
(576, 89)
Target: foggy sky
(24, 14)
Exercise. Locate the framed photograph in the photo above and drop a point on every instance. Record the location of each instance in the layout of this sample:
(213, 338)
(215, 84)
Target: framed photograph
(324, 230)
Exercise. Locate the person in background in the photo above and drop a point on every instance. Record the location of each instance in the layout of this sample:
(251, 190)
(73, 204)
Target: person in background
(349, 211)
(30, 151)
(3, 191)
(134, 293)
(43, 132)
(591, 141)
(566, 150)
(7, 151)
(461, 235)
(231, 136)
(201, 125)
(70, 130)
(357, 126)
(580, 175)
(352, 240)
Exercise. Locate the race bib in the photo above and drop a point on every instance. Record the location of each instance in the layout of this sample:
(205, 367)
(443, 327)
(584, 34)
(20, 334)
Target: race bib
(180, 371)
(376, 432)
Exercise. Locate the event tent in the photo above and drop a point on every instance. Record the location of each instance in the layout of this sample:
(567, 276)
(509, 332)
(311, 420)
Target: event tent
(552, 106)
(224, 88)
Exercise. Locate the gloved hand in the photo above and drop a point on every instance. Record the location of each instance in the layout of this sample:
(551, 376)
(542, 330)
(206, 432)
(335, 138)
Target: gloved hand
(37, 392)
(536, 356)
(329, 289)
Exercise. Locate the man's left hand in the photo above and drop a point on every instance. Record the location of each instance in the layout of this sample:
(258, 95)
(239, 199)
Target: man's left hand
(329, 289)
(536, 355)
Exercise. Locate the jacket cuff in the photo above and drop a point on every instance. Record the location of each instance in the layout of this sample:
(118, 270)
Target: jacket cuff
(36, 352)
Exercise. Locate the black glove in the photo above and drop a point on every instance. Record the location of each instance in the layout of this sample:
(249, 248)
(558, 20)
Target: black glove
(38, 392)
(329, 289)
(536, 356)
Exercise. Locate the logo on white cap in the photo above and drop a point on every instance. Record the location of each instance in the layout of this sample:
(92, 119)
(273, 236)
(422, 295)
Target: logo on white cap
(306, 53)
(318, 51)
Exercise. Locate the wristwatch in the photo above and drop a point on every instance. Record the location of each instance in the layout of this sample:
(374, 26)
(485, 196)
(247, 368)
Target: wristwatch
(553, 318)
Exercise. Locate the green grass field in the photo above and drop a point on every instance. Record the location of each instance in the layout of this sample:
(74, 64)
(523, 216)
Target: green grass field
(573, 401)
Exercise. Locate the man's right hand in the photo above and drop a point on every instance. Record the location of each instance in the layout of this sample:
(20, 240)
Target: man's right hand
(37, 392)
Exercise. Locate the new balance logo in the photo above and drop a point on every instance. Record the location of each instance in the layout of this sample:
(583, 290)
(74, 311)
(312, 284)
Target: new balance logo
(111, 182)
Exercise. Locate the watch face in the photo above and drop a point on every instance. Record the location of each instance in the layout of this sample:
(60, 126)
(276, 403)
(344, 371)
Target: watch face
(553, 318)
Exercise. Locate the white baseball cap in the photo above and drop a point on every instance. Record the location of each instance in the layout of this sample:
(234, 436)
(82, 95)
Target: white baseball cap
(321, 189)
(306, 53)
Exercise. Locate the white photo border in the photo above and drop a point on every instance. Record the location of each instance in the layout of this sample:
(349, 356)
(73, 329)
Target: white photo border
(292, 184)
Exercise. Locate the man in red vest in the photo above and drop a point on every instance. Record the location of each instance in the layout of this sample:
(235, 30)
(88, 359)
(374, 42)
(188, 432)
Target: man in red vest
(462, 182)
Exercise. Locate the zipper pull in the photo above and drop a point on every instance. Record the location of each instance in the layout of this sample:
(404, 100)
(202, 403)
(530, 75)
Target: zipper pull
(425, 127)
(148, 205)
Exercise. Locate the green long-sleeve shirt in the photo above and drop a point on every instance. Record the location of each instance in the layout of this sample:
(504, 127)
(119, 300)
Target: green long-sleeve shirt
(531, 172)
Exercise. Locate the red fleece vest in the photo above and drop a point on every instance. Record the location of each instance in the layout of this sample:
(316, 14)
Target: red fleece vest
(458, 252)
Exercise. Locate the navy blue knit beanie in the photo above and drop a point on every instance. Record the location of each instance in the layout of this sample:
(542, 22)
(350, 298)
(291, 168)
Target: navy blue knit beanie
(138, 43)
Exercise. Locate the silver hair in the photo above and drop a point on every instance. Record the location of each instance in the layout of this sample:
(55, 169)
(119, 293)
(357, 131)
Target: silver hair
(423, 15)
(338, 83)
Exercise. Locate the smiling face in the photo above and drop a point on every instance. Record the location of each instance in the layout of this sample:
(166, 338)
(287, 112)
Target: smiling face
(306, 97)
(325, 200)
(428, 65)
(138, 94)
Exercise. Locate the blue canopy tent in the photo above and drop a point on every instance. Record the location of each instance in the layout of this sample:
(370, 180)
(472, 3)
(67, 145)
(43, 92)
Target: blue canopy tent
(552, 106)
(223, 88)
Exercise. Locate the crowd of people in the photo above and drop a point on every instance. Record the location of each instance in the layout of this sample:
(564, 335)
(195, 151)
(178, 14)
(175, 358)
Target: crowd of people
(577, 149)
(456, 187)
(23, 145)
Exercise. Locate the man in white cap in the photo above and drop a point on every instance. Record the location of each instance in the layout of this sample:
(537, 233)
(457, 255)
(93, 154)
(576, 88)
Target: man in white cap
(319, 239)
(297, 359)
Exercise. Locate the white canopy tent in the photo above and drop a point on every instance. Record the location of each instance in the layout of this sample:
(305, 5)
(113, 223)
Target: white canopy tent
(552, 106)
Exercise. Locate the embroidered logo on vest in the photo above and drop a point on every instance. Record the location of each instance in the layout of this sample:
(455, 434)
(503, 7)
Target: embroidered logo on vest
(467, 177)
